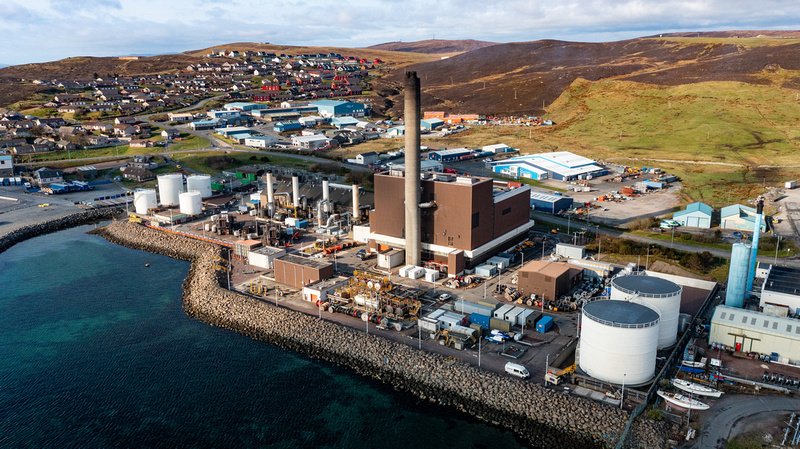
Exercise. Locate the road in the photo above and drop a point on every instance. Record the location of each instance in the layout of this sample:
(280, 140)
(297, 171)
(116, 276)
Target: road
(649, 240)
(720, 419)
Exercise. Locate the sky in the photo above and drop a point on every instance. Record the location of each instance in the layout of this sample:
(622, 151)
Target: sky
(47, 30)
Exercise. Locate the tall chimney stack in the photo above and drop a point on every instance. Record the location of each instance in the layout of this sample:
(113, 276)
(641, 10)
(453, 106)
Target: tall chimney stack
(270, 190)
(412, 170)
(326, 194)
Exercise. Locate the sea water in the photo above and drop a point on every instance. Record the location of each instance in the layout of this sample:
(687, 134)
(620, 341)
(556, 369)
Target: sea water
(96, 352)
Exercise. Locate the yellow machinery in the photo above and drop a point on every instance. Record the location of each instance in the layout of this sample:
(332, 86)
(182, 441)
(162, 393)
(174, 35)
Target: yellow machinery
(258, 288)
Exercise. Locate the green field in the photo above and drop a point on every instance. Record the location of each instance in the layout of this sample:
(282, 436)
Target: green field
(199, 161)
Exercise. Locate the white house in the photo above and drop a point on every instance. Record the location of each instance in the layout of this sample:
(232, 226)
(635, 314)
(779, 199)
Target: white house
(314, 142)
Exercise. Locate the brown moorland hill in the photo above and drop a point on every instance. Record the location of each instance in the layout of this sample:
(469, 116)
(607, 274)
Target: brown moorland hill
(434, 46)
(522, 78)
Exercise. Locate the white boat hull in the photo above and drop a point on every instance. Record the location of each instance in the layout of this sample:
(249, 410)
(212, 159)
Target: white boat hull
(693, 388)
(683, 402)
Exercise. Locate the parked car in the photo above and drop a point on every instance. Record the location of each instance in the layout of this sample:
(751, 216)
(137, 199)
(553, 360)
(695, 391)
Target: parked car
(738, 235)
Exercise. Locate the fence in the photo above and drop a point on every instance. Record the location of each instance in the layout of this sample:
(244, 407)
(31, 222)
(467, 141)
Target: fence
(676, 354)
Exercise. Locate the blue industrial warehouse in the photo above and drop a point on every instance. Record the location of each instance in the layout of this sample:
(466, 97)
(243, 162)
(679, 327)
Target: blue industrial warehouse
(560, 165)
(546, 202)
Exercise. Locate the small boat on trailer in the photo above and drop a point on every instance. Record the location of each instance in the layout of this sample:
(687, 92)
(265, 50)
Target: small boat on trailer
(683, 402)
(691, 387)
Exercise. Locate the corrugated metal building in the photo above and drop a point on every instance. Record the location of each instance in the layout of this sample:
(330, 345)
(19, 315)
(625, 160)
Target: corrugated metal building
(300, 271)
(559, 165)
(781, 288)
(697, 215)
(546, 202)
(748, 330)
(737, 216)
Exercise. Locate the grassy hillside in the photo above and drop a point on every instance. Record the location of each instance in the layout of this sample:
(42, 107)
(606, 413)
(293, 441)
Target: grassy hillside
(723, 138)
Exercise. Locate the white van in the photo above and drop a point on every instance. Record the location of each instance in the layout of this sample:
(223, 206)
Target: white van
(517, 370)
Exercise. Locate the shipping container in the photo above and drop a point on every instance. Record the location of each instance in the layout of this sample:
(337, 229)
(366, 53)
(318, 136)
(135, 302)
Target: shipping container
(511, 315)
(501, 312)
(500, 325)
(470, 307)
(480, 319)
(522, 318)
(790, 184)
(544, 324)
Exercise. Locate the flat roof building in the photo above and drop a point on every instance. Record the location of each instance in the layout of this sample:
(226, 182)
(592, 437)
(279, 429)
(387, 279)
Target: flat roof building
(781, 288)
(548, 279)
(459, 215)
(300, 271)
(546, 202)
(559, 165)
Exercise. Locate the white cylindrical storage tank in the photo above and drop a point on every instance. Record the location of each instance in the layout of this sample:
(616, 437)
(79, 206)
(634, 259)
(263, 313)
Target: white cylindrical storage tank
(169, 188)
(737, 275)
(619, 341)
(661, 294)
(201, 183)
(144, 200)
(191, 203)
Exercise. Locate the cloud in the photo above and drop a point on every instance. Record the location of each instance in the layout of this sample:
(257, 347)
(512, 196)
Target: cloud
(43, 30)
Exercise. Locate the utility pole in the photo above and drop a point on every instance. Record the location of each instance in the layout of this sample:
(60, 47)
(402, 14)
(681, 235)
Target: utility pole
(776, 250)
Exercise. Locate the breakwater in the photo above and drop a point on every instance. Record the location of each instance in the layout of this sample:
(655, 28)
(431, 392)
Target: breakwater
(542, 417)
(57, 224)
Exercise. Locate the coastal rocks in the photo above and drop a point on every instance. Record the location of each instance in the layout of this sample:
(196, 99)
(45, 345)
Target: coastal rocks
(69, 221)
(542, 417)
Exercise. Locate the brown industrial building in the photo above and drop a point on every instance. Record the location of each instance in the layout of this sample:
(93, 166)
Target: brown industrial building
(464, 220)
(299, 271)
(548, 279)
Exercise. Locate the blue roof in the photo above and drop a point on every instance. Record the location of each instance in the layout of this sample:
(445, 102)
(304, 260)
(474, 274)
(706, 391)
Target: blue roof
(695, 207)
(737, 209)
(327, 103)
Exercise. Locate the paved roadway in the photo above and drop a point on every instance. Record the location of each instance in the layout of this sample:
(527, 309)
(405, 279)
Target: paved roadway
(576, 224)
(720, 419)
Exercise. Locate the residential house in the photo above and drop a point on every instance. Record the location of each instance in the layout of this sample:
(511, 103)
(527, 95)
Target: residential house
(6, 165)
(65, 145)
(97, 141)
(367, 158)
(141, 143)
(180, 117)
(97, 126)
(125, 120)
(137, 174)
(124, 130)
(170, 134)
(45, 176)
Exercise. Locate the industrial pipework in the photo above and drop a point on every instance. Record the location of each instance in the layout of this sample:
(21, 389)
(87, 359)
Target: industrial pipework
(356, 212)
(413, 230)
(295, 190)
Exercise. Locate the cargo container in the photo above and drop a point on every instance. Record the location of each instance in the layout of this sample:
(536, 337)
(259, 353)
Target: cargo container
(522, 318)
(511, 315)
(470, 307)
(544, 324)
(486, 270)
(501, 312)
(480, 319)
(511, 257)
(428, 325)
(302, 224)
(500, 325)
(790, 184)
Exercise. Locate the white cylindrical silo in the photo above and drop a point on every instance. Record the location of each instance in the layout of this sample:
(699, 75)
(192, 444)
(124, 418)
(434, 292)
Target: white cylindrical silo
(191, 202)
(737, 275)
(619, 341)
(661, 294)
(144, 200)
(169, 188)
(201, 183)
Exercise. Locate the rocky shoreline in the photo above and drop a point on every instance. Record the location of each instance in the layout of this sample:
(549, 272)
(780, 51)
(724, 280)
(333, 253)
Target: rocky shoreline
(541, 417)
(57, 224)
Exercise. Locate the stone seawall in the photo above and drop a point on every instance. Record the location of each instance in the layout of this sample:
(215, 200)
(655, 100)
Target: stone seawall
(542, 417)
(57, 224)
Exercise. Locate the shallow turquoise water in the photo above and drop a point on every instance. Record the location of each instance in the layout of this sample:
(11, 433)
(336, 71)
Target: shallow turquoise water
(95, 351)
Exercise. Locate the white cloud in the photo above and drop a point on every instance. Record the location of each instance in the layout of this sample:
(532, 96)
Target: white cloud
(41, 30)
